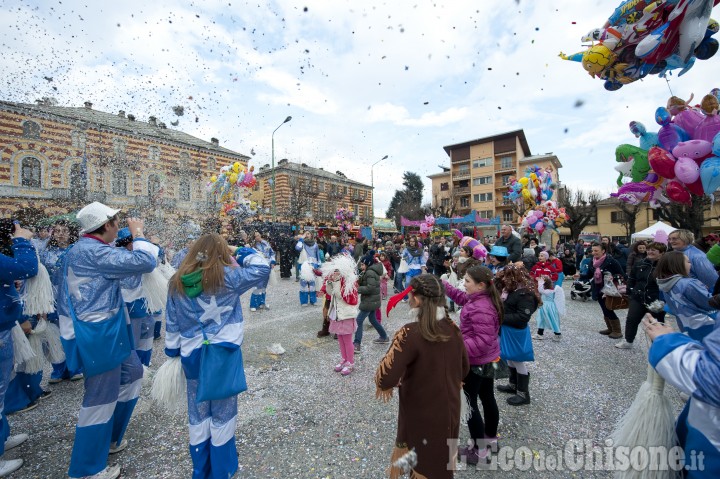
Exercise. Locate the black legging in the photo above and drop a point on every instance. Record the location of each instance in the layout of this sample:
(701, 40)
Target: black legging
(636, 312)
(476, 386)
(607, 313)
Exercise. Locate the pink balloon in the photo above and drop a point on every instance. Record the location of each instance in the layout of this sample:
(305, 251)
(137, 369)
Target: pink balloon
(693, 149)
(686, 170)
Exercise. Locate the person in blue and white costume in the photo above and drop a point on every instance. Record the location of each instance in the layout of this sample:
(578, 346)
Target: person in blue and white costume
(694, 368)
(702, 269)
(204, 296)
(189, 232)
(686, 297)
(19, 263)
(257, 298)
(64, 234)
(310, 260)
(414, 256)
(142, 321)
(95, 330)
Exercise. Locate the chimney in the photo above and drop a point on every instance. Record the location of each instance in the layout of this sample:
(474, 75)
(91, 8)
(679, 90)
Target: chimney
(152, 120)
(88, 105)
(215, 141)
(121, 113)
(131, 117)
(162, 126)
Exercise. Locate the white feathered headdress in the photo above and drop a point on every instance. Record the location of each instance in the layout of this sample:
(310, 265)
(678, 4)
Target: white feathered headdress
(345, 265)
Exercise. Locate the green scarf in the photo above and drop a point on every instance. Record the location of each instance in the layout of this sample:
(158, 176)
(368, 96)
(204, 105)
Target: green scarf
(192, 283)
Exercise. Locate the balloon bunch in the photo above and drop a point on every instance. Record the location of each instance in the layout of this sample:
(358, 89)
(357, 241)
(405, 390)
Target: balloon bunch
(648, 38)
(427, 226)
(232, 186)
(479, 251)
(534, 188)
(543, 216)
(682, 158)
(344, 217)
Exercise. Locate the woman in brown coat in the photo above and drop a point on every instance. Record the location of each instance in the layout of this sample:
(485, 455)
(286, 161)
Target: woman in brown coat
(427, 362)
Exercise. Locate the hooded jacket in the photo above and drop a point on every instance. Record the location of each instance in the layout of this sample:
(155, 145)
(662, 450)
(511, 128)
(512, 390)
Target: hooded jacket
(479, 324)
(701, 268)
(687, 299)
(369, 287)
(22, 265)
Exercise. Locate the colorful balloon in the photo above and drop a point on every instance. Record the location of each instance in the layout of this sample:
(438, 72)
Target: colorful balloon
(662, 162)
(710, 174)
(678, 193)
(710, 125)
(686, 170)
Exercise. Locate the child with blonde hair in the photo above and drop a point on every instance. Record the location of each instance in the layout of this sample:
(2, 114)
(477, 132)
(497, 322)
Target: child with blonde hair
(341, 285)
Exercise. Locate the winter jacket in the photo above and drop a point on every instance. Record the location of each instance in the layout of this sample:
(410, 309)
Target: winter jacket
(437, 254)
(701, 268)
(346, 305)
(609, 266)
(633, 259)
(687, 299)
(22, 265)
(312, 253)
(569, 266)
(414, 262)
(332, 249)
(369, 287)
(641, 284)
(620, 254)
(479, 323)
(519, 307)
(388, 268)
(513, 246)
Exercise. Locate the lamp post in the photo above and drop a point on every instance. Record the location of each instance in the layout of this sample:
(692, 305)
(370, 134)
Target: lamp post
(272, 137)
(372, 192)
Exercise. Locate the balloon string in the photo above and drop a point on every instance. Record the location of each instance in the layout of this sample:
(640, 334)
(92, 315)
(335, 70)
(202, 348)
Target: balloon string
(668, 85)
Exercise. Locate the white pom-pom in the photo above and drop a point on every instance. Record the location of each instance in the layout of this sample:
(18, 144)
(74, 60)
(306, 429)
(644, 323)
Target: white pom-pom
(465, 409)
(167, 270)
(155, 290)
(21, 346)
(306, 273)
(38, 297)
(55, 351)
(36, 363)
(169, 386)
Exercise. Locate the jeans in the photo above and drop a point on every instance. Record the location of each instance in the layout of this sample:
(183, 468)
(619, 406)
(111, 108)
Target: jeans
(398, 282)
(484, 388)
(370, 315)
(636, 312)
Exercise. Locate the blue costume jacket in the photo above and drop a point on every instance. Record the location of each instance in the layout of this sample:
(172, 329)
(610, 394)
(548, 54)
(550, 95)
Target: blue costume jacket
(687, 299)
(312, 252)
(22, 265)
(701, 268)
(264, 248)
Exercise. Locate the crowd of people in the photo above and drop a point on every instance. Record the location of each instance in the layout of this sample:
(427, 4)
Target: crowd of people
(112, 287)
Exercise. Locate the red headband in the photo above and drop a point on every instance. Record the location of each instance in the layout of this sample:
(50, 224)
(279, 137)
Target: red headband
(393, 301)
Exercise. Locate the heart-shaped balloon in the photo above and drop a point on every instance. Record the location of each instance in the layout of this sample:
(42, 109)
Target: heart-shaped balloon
(696, 187)
(710, 174)
(676, 192)
(662, 162)
(686, 170)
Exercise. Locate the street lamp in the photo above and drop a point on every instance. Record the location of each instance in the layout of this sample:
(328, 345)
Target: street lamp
(372, 201)
(272, 137)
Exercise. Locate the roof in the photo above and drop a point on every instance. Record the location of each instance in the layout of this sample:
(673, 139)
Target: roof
(439, 175)
(308, 170)
(115, 121)
(547, 156)
(608, 202)
(518, 133)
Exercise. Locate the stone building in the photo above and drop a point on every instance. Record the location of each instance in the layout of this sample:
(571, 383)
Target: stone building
(57, 159)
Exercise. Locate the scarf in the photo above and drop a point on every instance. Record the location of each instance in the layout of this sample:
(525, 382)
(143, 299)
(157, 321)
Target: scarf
(309, 242)
(414, 252)
(192, 283)
(596, 264)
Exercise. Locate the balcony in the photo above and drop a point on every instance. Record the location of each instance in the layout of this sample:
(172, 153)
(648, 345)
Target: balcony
(506, 169)
(461, 174)
(463, 191)
(60, 193)
(96, 196)
(504, 204)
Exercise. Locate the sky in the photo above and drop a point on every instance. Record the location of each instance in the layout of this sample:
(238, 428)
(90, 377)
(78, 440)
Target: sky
(361, 80)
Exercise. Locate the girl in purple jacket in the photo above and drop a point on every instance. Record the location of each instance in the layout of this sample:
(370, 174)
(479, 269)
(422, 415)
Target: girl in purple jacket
(480, 323)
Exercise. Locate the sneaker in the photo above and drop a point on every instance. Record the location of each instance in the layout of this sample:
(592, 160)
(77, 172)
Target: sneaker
(538, 336)
(55, 380)
(110, 472)
(624, 345)
(340, 366)
(45, 394)
(381, 341)
(115, 448)
(15, 441)
(253, 309)
(77, 377)
(29, 407)
(557, 337)
(347, 369)
(265, 306)
(10, 466)
(357, 348)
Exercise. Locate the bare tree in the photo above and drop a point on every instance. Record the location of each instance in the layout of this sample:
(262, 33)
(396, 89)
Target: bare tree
(689, 217)
(581, 207)
(300, 199)
(444, 203)
(629, 215)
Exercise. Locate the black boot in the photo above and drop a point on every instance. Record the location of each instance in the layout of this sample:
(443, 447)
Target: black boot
(523, 395)
(325, 331)
(511, 388)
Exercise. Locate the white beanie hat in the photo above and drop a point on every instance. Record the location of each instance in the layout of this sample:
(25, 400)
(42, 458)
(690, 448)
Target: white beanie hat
(94, 215)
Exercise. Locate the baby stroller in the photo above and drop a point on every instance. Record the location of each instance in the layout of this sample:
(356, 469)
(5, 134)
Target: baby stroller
(581, 290)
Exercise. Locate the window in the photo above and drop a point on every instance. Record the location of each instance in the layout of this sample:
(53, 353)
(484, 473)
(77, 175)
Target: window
(655, 215)
(507, 215)
(78, 185)
(31, 172)
(481, 163)
(617, 217)
(463, 170)
(79, 139)
(445, 203)
(506, 162)
(321, 209)
(483, 180)
(119, 147)
(211, 163)
(154, 153)
(506, 179)
(487, 214)
(356, 210)
(184, 161)
(118, 182)
(464, 202)
(367, 212)
(184, 189)
(444, 186)
(345, 190)
(478, 197)
(321, 186)
(31, 130)
(154, 188)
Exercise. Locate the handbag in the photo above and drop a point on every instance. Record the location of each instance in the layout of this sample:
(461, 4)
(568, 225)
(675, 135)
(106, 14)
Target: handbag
(616, 302)
(222, 374)
(102, 345)
(494, 370)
